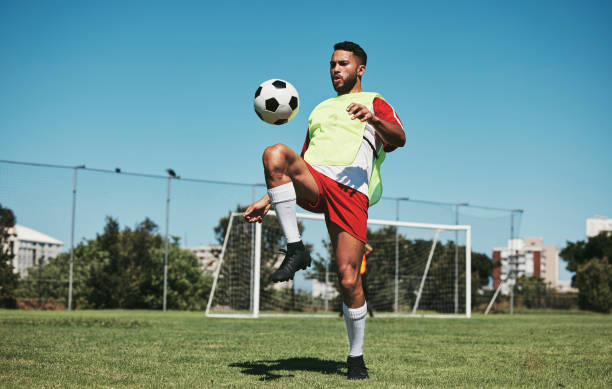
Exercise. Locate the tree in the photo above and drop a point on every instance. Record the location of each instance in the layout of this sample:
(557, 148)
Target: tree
(8, 278)
(221, 228)
(591, 262)
(579, 253)
(533, 289)
(594, 282)
(124, 269)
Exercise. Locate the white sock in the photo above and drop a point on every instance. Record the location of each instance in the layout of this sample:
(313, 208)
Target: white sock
(283, 198)
(355, 319)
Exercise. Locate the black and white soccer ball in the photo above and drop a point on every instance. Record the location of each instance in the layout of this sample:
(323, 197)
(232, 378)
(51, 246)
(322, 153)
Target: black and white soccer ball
(276, 101)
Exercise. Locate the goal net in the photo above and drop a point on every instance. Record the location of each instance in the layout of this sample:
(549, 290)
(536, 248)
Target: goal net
(416, 269)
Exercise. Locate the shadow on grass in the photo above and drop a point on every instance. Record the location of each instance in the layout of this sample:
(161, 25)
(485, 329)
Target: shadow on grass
(270, 370)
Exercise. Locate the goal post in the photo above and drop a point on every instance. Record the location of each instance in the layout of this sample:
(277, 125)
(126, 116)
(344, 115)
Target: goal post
(411, 272)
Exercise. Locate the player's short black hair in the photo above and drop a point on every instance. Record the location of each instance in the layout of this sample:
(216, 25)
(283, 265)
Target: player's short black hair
(353, 48)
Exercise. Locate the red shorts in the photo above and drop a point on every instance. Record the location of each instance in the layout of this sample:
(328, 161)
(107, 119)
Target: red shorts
(343, 206)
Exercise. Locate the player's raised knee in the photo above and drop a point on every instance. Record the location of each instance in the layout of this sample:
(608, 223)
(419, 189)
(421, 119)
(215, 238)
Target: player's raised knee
(274, 154)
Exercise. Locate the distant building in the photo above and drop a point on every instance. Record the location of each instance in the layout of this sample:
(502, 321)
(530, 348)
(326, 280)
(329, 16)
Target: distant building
(597, 224)
(208, 256)
(527, 257)
(31, 248)
(549, 260)
(321, 290)
(285, 284)
(565, 287)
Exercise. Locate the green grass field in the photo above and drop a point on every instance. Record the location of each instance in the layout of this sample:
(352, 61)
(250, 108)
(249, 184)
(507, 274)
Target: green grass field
(186, 349)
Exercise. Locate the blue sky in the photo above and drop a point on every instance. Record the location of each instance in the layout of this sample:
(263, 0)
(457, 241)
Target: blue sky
(505, 104)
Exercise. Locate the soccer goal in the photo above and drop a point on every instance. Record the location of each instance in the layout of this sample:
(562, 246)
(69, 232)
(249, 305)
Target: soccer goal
(416, 269)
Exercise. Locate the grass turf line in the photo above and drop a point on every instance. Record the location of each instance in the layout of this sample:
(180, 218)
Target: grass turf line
(186, 349)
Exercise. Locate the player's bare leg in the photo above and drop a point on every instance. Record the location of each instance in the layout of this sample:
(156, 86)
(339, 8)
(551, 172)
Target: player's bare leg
(349, 252)
(283, 165)
(287, 178)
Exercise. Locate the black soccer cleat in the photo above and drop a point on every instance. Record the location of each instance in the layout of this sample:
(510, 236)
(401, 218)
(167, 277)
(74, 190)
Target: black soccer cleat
(296, 258)
(356, 368)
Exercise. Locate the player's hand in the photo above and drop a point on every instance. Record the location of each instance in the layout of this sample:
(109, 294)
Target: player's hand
(361, 112)
(256, 211)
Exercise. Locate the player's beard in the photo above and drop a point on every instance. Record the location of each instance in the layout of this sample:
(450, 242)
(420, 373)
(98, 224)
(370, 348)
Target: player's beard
(347, 85)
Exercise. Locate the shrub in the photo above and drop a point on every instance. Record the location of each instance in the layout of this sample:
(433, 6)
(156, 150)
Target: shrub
(594, 282)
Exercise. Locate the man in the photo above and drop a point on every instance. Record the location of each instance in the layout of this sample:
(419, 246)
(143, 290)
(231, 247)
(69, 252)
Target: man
(338, 174)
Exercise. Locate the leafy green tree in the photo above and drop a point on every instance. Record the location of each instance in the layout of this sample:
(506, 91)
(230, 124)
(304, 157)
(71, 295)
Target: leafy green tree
(124, 269)
(594, 282)
(8, 278)
(591, 262)
(533, 291)
(581, 252)
(107, 271)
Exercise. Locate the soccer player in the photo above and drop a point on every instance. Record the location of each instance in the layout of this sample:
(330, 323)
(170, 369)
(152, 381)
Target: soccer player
(337, 174)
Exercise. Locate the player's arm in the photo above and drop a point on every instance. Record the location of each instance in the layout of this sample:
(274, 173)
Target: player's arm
(391, 133)
(256, 211)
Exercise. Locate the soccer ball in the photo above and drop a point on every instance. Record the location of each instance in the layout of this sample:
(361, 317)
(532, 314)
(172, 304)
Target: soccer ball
(276, 101)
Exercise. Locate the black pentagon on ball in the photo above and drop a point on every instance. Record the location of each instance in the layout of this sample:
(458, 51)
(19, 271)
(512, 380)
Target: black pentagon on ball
(258, 91)
(278, 84)
(272, 104)
(281, 121)
(293, 103)
(258, 114)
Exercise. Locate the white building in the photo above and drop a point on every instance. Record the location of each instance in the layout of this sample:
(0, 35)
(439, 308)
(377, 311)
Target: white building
(527, 257)
(208, 256)
(565, 287)
(32, 248)
(322, 290)
(549, 260)
(597, 224)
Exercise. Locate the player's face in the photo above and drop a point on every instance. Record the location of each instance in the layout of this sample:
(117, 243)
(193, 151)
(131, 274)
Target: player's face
(345, 69)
